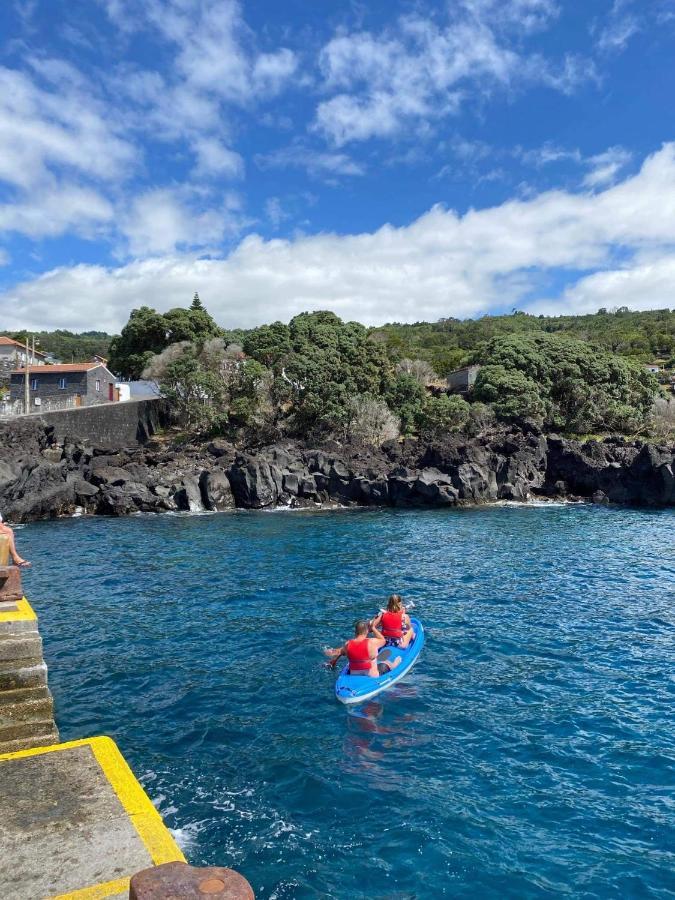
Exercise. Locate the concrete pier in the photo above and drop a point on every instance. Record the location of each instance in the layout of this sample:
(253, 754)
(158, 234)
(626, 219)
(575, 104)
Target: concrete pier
(75, 824)
(26, 704)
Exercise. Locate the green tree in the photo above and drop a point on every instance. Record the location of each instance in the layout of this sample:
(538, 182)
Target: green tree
(511, 393)
(564, 383)
(148, 332)
(405, 396)
(320, 363)
(442, 414)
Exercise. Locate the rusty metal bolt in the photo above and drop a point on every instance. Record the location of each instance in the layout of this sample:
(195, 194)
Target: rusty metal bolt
(178, 881)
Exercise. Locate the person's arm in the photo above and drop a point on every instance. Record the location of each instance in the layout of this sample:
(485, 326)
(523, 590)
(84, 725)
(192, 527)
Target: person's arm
(379, 639)
(334, 654)
(374, 623)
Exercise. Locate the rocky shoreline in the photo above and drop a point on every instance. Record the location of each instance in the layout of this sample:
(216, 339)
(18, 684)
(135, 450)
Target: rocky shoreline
(41, 477)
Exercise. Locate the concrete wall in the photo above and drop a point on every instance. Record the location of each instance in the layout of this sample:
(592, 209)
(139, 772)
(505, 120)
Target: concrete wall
(26, 704)
(108, 424)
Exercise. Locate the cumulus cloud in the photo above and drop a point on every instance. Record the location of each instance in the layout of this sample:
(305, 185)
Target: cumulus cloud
(214, 158)
(442, 264)
(163, 219)
(420, 71)
(56, 209)
(48, 128)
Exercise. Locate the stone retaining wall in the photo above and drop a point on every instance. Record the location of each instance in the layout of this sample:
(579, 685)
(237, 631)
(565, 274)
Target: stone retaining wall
(124, 424)
(26, 704)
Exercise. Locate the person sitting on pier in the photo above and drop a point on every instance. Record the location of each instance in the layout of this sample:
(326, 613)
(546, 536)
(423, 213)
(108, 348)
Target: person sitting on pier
(8, 533)
(395, 623)
(361, 652)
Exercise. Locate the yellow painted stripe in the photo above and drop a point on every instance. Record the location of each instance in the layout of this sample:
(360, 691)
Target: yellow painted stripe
(142, 814)
(52, 748)
(144, 817)
(23, 613)
(97, 891)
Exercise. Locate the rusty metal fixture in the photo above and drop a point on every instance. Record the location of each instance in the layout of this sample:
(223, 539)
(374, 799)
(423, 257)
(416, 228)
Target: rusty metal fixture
(179, 881)
(10, 584)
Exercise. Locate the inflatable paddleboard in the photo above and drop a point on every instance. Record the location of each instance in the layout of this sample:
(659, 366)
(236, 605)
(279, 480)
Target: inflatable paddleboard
(357, 688)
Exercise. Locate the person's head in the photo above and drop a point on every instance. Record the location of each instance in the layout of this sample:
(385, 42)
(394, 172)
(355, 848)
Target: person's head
(361, 628)
(395, 603)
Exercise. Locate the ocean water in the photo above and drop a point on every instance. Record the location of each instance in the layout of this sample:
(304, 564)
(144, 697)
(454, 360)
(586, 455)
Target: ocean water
(530, 754)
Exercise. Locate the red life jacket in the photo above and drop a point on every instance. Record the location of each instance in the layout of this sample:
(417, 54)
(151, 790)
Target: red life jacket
(358, 654)
(392, 624)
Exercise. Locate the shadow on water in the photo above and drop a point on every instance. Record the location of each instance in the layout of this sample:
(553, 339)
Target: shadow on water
(530, 753)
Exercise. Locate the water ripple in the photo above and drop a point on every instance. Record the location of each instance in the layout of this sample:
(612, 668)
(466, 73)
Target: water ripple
(531, 753)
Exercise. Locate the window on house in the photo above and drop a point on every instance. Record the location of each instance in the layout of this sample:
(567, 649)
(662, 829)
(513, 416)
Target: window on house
(98, 384)
(33, 384)
(62, 383)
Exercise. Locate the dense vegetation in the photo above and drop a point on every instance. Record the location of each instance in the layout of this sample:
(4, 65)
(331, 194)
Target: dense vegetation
(320, 376)
(563, 383)
(66, 346)
(148, 332)
(448, 343)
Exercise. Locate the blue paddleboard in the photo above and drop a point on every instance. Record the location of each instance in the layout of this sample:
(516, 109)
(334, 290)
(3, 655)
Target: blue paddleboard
(357, 688)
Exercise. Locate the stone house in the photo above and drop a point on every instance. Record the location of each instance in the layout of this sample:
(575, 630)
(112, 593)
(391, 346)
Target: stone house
(461, 381)
(76, 384)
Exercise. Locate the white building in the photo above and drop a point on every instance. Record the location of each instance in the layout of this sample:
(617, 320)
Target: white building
(16, 353)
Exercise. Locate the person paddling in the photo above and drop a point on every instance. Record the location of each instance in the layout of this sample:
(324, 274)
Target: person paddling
(395, 623)
(361, 652)
(6, 532)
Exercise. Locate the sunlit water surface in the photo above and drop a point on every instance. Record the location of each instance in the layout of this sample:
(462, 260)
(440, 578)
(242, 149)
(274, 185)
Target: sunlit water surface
(531, 753)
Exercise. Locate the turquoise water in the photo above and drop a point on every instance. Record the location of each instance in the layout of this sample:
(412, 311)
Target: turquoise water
(530, 754)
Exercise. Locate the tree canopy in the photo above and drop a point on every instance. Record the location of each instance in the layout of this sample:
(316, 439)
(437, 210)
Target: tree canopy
(563, 383)
(318, 375)
(148, 332)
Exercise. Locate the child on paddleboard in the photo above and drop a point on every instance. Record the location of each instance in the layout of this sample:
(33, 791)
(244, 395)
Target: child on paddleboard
(394, 623)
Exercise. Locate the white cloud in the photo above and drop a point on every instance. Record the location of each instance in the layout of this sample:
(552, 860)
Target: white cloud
(319, 164)
(442, 264)
(213, 158)
(420, 72)
(55, 209)
(604, 167)
(275, 211)
(162, 220)
(546, 154)
(620, 25)
(5, 258)
(43, 130)
(645, 285)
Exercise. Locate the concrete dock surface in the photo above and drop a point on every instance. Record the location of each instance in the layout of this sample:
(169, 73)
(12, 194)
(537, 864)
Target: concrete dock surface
(75, 823)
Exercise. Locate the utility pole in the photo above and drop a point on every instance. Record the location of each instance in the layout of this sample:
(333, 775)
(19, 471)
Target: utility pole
(26, 386)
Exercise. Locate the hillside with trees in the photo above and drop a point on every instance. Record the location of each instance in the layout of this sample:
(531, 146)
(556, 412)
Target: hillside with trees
(448, 343)
(319, 377)
(66, 346)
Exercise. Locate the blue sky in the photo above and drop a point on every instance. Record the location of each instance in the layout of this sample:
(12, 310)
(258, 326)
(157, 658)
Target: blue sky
(390, 161)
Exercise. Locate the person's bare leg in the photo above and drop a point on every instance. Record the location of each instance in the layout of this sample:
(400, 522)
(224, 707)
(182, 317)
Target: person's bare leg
(389, 665)
(407, 637)
(9, 534)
